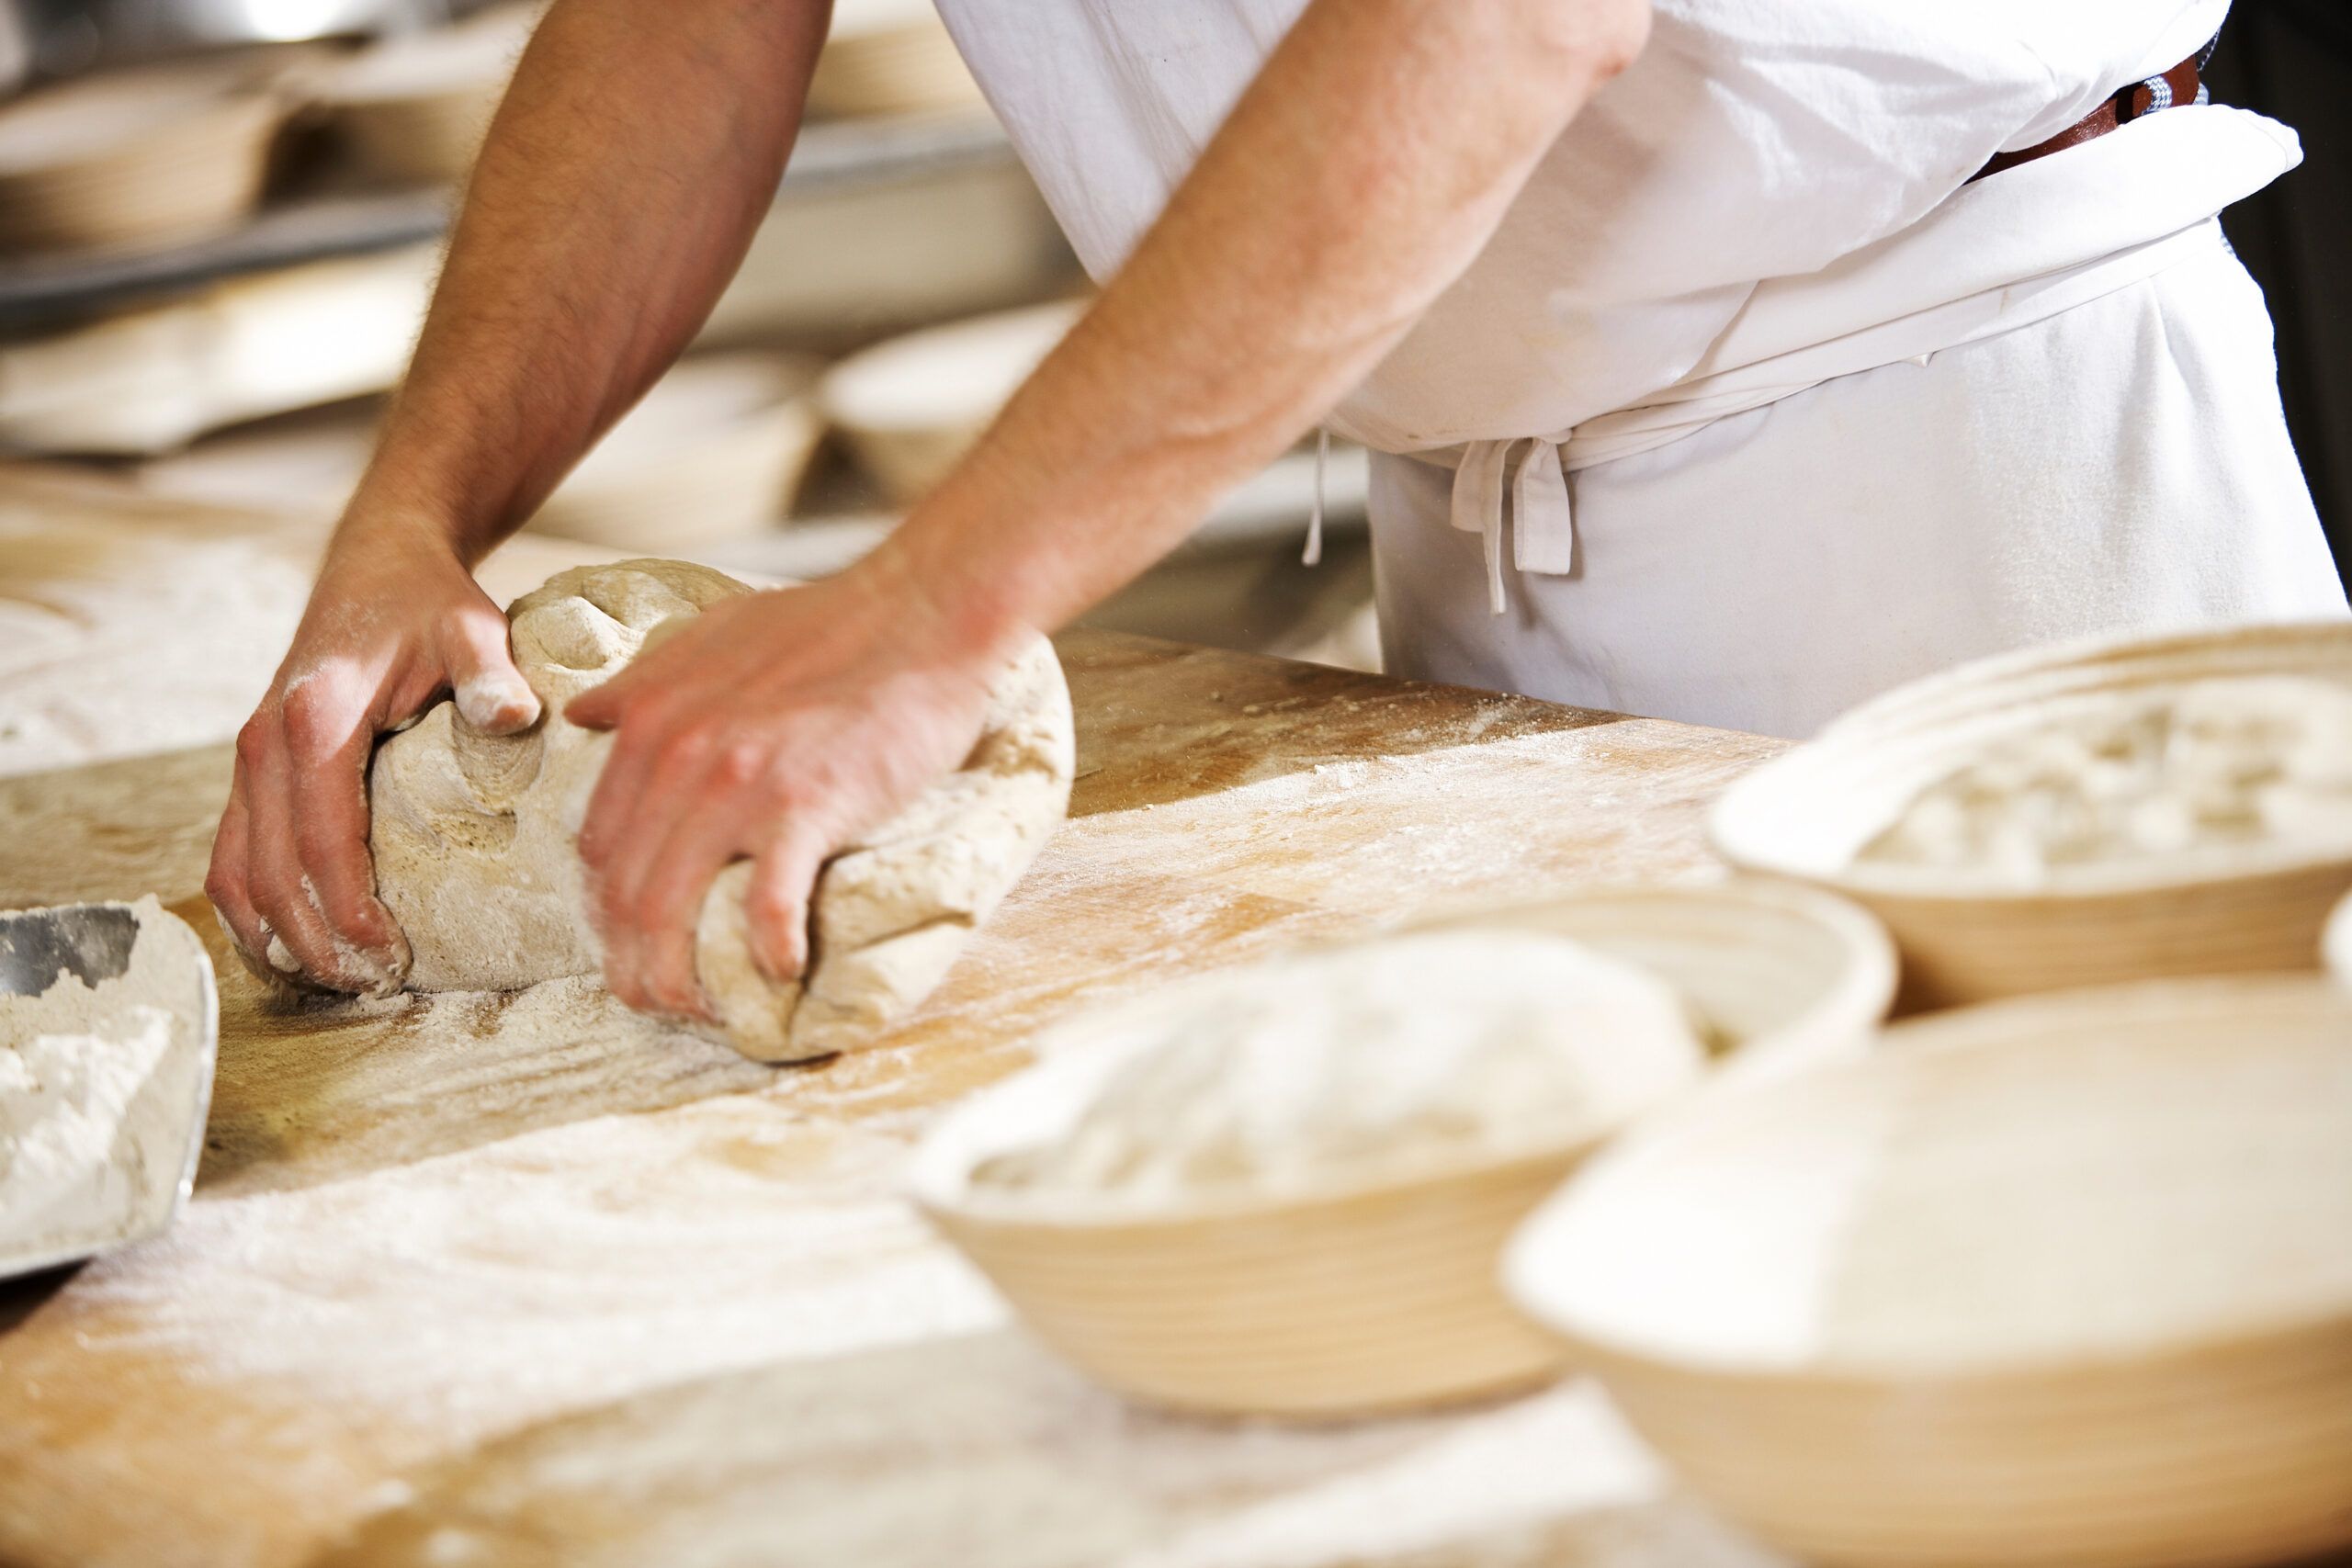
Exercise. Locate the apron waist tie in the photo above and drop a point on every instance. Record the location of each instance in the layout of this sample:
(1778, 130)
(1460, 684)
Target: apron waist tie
(1543, 533)
(1543, 527)
(1536, 494)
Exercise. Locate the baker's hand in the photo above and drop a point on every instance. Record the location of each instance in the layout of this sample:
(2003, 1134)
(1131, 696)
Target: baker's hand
(774, 728)
(395, 620)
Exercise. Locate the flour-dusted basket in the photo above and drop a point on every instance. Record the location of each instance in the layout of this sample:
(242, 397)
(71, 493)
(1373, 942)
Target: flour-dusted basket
(1372, 1296)
(2053, 1283)
(1777, 977)
(1806, 814)
(911, 407)
(141, 157)
(713, 453)
(414, 108)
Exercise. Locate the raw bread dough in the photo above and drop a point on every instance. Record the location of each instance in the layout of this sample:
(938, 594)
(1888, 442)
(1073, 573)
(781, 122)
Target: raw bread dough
(2136, 776)
(1361, 1062)
(475, 836)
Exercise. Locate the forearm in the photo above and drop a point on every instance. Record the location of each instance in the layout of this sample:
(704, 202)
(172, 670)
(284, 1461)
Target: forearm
(635, 153)
(1361, 174)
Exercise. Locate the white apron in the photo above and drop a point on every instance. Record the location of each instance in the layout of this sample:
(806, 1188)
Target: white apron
(1753, 407)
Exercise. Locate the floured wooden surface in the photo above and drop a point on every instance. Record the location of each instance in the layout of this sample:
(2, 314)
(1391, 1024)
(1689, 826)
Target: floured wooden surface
(535, 1281)
(131, 623)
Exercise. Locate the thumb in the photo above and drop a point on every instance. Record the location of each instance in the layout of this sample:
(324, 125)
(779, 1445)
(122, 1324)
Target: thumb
(491, 694)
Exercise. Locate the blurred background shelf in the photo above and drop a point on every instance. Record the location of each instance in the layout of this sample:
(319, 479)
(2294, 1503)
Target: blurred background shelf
(831, 158)
(244, 373)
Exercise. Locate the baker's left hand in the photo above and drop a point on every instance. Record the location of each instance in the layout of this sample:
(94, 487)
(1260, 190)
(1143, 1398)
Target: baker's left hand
(776, 727)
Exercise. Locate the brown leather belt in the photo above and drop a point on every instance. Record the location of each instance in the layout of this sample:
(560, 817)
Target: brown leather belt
(2180, 83)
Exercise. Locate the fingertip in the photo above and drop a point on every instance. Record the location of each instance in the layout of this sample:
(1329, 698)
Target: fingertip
(379, 955)
(596, 708)
(776, 908)
(780, 948)
(620, 979)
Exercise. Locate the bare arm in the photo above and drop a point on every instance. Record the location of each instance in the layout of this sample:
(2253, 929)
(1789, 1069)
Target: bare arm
(1357, 178)
(634, 154)
(1360, 176)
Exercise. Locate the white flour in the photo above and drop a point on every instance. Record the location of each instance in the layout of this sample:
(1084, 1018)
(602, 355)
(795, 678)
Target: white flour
(1363, 1061)
(113, 644)
(81, 1155)
(2125, 777)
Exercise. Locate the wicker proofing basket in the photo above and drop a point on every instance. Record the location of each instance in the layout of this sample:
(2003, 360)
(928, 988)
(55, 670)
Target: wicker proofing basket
(429, 140)
(143, 157)
(1806, 814)
(1372, 1298)
(2061, 1162)
(911, 407)
(713, 453)
(414, 108)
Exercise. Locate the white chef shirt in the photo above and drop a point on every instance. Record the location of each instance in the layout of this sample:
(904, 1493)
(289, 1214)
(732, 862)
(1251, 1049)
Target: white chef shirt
(1772, 197)
(1751, 140)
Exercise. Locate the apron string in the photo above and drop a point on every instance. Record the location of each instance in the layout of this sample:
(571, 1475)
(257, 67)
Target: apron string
(1544, 530)
(1313, 554)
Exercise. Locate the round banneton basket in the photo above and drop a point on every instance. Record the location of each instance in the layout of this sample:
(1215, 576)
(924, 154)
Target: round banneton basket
(713, 453)
(911, 407)
(2236, 909)
(141, 157)
(414, 108)
(1372, 1296)
(2054, 1282)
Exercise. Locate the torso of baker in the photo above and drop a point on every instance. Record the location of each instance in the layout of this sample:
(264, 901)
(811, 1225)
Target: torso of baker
(2060, 417)
(1722, 360)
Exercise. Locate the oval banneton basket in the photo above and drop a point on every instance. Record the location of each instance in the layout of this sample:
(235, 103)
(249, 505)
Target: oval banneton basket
(713, 452)
(911, 407)
(414, 108)
(1377, 1296)
(1807, 813)
(2054, 1282)
(147, 157)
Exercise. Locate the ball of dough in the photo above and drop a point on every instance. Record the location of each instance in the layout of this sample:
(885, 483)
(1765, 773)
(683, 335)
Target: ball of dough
(475, 835)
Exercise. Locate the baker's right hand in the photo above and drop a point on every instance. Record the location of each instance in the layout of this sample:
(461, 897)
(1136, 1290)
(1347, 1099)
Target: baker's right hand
(395, 621)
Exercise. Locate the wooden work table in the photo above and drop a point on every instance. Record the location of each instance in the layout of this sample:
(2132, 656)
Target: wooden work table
(579, 1296)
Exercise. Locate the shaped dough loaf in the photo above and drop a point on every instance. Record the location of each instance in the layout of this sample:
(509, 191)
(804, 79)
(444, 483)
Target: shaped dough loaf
(475, 835)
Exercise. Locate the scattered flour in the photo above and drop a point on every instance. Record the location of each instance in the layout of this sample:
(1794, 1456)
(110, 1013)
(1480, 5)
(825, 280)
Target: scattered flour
(117, 640)
(82, 1155)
